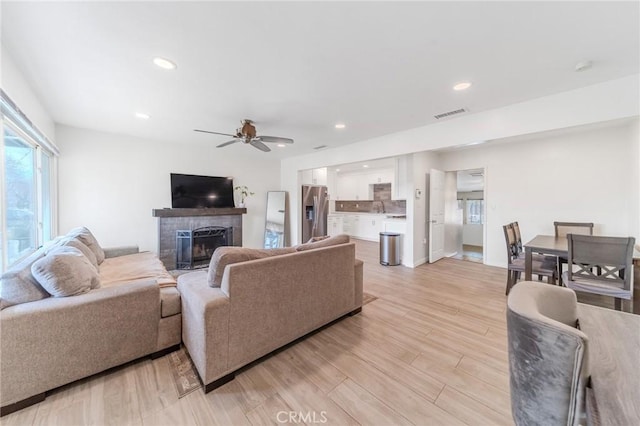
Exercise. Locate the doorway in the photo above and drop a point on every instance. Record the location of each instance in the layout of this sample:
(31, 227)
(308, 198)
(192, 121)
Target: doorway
(471, 214)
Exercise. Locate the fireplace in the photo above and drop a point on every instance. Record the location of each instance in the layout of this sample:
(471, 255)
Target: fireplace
(194, 248)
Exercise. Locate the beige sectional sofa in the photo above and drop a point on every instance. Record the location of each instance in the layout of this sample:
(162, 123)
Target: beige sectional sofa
(48, 341)
(264, 303)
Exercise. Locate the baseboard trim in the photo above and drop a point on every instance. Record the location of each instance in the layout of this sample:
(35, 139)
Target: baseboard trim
(12, 408)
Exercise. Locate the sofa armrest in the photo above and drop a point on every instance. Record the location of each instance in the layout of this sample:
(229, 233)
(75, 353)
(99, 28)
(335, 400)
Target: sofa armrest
(205, 325)
(120, 251)
(78, 336)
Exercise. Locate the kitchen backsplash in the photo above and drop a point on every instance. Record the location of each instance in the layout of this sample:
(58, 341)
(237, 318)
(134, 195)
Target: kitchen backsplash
(369, 206)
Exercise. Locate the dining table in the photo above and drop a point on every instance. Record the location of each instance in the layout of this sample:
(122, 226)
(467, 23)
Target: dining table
(613, 394)
(559, 246)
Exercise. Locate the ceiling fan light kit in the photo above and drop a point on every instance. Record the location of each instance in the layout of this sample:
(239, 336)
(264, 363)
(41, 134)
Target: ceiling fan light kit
(248, 135)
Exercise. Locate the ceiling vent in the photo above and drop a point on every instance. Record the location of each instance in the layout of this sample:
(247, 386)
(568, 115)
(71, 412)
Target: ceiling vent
(320, 147)
(450, 113)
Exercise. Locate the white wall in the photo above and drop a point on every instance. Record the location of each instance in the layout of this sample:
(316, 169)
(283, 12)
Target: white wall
(601, 102)
(24, 97)
(586, 174)
(110, 183)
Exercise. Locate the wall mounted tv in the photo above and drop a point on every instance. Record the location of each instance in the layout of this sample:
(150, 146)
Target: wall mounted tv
(194, 192)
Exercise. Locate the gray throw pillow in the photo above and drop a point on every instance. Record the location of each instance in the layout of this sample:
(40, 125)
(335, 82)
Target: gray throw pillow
(87, 238)
(331, 241)
(75, 242)
(224, 256)
(17, 285)
(65, 271)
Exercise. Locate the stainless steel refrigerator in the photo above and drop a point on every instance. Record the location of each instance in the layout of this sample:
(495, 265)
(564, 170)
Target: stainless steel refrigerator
(315, 207)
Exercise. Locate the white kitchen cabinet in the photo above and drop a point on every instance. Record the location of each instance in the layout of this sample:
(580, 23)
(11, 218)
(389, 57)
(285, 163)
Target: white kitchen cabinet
(307, 177)
(319, 176)
(347, 187)
(314, 176)
(364, 226)
(335, 225)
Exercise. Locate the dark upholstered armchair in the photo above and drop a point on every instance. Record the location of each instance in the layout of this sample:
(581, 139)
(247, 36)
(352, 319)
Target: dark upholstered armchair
(547, 355)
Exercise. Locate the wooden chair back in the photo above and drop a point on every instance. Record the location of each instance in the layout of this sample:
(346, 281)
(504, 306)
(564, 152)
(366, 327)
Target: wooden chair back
(607, 260)
(516, 229)
(565, 228)
(511, 241)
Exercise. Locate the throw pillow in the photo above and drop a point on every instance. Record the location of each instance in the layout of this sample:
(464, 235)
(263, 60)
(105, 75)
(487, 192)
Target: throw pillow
(331, 241)
(224, 256)
(65, 271)
(17, 285)
(75, 242)
(87, 238)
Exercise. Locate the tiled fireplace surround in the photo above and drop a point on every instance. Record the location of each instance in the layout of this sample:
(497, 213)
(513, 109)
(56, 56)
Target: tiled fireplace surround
(171, 220)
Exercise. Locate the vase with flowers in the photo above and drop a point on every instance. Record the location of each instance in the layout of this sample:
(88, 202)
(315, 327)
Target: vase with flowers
(244, 194)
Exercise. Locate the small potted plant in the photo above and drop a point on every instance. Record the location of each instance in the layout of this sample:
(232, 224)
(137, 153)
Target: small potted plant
(244, 193)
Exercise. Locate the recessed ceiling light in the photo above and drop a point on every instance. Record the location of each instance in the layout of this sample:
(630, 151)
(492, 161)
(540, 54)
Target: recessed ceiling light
(165, 63)
(281, 145)
(340, 126)
(337, 170)
(365, 166)
(462, 85)
(142, 115)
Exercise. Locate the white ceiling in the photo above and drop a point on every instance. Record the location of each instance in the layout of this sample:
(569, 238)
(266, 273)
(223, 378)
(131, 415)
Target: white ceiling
(297, 68)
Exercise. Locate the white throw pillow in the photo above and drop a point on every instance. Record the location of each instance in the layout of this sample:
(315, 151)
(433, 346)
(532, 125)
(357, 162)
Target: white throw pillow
(65, 271)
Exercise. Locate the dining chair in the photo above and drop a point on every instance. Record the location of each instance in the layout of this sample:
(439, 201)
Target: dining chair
(548, 369)
(562, 229)
(536, 256)
(601, 265)
(516, 263)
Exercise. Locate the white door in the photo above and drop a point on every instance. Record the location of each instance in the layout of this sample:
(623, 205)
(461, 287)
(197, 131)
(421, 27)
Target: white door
(436, 215)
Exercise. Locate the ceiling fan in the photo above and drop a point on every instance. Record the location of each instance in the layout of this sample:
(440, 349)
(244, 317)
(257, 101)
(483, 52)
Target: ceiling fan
(247, 134)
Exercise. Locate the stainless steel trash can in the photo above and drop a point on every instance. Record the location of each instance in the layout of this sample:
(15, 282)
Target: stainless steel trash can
(389, 248)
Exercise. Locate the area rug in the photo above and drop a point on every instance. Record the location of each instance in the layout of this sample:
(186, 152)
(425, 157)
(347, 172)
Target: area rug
(183, 372)
(367, 298)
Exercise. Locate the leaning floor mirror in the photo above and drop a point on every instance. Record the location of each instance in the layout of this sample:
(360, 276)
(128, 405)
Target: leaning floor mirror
(275, 231)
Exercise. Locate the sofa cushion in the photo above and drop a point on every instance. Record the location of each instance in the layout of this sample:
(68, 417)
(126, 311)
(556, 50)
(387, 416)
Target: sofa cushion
(169, 302)
(76, 243)
(224, 256)
(326, 242)
(18, 285)
(65, 271)
(88, 240)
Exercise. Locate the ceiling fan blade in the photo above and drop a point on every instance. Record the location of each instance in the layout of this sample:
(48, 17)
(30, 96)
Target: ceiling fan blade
(228, 143)
(257, 144)
(214, 133)
(275, 139)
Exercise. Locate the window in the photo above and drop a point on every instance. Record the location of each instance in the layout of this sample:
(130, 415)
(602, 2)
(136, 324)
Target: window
(475, 212)
(27, 199)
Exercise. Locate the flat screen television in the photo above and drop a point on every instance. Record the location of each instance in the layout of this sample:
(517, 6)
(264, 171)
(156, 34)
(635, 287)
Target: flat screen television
(193, 192)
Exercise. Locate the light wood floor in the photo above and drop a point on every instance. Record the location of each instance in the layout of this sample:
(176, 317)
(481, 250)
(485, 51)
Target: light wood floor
(432, 349)
(470, 253)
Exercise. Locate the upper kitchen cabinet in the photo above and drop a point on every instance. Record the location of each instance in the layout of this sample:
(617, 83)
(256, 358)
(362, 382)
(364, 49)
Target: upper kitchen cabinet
(360, 185)
(314, 176)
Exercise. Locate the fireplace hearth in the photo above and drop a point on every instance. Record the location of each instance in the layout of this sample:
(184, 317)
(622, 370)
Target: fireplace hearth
(194, 248)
